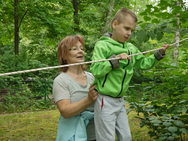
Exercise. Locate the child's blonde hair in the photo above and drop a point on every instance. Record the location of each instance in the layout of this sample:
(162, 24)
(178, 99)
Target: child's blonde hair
(121, 15)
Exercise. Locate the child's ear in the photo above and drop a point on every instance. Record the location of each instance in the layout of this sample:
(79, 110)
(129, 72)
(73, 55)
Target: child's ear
(114, 24)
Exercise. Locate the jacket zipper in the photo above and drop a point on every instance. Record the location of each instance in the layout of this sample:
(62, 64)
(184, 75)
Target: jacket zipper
(122, 83)
(124, 75)
(104, 80)
(107, 75)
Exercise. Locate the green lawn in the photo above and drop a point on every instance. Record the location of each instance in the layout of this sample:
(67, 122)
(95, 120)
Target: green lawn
(42, 126)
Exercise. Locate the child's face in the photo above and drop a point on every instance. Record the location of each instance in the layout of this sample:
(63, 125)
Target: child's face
(122, 32)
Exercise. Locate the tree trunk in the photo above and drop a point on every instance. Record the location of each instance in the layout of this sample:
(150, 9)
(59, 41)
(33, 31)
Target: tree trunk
(16, 28)
(135, 7)
(76, 18)
(108, 16)
(175, 53)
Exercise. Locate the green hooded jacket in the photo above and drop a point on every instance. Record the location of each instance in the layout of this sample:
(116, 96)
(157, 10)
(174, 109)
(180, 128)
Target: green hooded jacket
(112, 77)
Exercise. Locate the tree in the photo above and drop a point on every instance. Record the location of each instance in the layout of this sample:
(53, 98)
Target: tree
(177, 36)
(16, 36)
(76, 18)
(107, 24)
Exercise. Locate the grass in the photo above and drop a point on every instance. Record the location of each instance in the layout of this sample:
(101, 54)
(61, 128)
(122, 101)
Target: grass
(42, 125)
(34, 126)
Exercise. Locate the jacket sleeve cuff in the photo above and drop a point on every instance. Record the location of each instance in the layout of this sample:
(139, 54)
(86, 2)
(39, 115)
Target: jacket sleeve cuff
(114, 63)
(158, 55)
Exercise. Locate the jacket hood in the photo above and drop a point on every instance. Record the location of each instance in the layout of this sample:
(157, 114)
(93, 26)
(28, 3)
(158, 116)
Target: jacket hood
(107, 37)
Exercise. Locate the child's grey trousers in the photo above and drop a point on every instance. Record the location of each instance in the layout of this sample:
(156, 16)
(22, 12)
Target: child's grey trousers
(110, 117)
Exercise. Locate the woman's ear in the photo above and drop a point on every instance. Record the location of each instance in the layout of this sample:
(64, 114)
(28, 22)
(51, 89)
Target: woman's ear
(114, 24)
(64, 61)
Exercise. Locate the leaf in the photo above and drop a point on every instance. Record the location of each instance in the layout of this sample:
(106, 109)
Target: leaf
(174, 72)
(163, 137)
(146, 18)
(183, 130)
(155, 21)
(153, 41)
(183, 101)
(179, 123)
(156, 122)
(146, 38)
(148, 26)
(155, 31)
(149, 106)
(152, 35)
(167, 123)
(133, 35)
(128, 110)
(143, 13)
(186, 77)
(167, 30)
(139, 39)
(138, 27)
(152, 133)
(185, 89)
(172, 129)
(159, 35)
(142, 33)
(149, 6)
(171, 138)
(176, 116)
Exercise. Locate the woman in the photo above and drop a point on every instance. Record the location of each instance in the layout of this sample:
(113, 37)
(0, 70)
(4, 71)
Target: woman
(73, 93)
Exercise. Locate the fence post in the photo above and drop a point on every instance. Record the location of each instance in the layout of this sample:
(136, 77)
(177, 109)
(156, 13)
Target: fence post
(45, 92)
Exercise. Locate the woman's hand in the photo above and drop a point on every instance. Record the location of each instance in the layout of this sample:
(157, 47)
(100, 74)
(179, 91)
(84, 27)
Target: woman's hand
(92, 93)
(68, 109)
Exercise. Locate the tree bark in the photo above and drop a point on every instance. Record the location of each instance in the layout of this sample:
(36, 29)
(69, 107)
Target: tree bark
(135, 7)
(16, 28)
(108, 16)
(76, 18)
(175, 53)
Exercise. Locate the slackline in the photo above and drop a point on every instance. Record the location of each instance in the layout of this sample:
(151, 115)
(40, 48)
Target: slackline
(89, 62)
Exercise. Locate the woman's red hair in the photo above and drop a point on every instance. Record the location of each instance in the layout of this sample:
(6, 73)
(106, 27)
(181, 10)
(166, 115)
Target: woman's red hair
(64, 46)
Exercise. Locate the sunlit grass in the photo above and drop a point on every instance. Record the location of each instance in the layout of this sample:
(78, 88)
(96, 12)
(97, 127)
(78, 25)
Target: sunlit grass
(42, 126)
(38, 126)
(35, 126)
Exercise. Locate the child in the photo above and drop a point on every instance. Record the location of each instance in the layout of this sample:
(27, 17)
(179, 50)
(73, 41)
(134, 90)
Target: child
(112, 77)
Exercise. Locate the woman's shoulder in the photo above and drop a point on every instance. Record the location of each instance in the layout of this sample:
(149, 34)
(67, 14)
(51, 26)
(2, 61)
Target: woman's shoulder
(61, 76)
(90, 75)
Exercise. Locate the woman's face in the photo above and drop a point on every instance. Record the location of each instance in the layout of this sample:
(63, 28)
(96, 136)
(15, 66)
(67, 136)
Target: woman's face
(75, 54)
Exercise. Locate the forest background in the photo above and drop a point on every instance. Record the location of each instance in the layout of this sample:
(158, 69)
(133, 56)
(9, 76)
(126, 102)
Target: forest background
(31, 31)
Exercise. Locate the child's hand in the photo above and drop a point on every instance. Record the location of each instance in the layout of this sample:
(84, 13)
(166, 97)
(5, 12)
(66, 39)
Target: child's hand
(123, 56)
(163, 50)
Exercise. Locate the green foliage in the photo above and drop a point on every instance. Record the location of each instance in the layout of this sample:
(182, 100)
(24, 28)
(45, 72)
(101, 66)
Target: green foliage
(159, 19)
(19, 95)
(165, 115)
(163, 99)
(162, 92)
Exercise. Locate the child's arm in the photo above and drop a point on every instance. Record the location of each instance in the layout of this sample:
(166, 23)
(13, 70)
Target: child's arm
(100, 69)
(143, 62)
